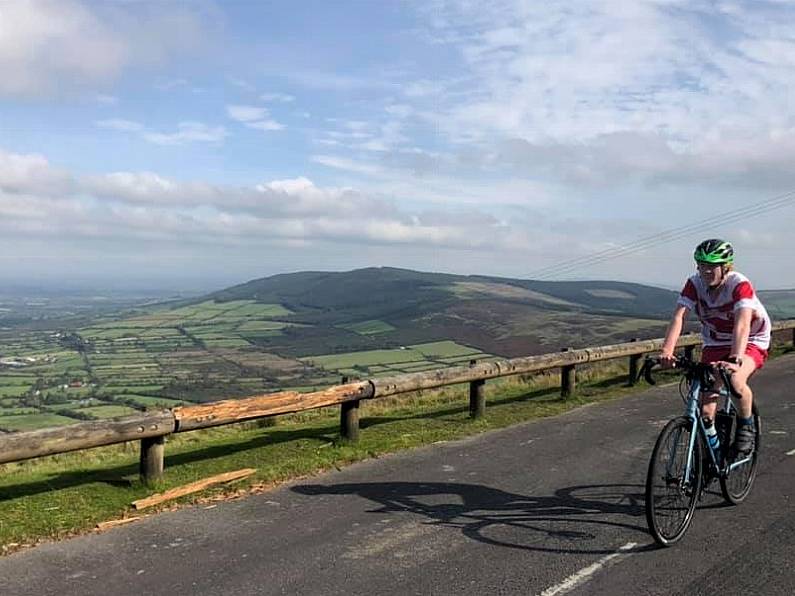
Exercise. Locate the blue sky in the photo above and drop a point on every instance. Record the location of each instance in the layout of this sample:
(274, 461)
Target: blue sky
(208, 143)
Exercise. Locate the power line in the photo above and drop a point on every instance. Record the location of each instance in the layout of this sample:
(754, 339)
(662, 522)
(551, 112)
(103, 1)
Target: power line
(671, 234)
(747, 212)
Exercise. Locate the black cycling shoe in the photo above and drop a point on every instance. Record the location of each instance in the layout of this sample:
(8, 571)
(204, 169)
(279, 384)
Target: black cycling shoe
(744, 441)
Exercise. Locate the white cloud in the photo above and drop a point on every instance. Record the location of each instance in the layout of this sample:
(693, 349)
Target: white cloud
(265, 125)
(671, 91)
(246, 113)
(36, 198)
(48, 46)
(32, 173)
(277, 97)
(187, 132)
(254, 117)
(124, 212)
(121, 125)
(343, 163)
(106, 100)
(43, 41)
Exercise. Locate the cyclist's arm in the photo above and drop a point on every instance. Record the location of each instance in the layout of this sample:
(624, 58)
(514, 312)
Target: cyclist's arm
(673, 333)
(742, 329)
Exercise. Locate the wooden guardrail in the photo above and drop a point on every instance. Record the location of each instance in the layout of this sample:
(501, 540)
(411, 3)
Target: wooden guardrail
(152, 427)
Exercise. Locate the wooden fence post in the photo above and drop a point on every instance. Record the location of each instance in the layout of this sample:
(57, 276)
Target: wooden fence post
(349, 418)
(151, 463)
(568, 379)
(477, 396)
(633, 365)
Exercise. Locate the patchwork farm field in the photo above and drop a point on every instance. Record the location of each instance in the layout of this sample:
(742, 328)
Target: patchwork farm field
(63, 360)
(412, 358)
(163, 358)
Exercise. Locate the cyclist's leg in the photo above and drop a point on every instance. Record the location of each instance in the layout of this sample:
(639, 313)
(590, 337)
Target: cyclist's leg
(745, 433)
(753, 359)
(710, 395)
(709, 403)
(739, 380)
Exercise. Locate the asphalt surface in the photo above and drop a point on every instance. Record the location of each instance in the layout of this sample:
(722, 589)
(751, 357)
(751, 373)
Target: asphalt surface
(547, 507)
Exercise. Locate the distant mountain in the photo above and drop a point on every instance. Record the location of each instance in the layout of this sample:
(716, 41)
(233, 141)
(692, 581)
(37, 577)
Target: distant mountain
(392, 288)
(387, 307)
(780, 304)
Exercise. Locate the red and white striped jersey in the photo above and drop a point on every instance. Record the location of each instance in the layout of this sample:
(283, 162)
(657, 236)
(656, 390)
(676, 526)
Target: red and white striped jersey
(716, 313)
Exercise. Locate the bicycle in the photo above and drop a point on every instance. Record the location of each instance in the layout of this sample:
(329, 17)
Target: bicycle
(682, 464)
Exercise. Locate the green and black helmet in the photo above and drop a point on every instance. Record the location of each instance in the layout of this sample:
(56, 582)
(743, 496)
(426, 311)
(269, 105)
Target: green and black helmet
(715, 251)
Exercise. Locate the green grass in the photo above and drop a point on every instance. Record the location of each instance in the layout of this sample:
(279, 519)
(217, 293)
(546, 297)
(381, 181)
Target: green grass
(372, 327)
(226, 343)
(261, 326)
(33, 421)
(149, 400)
(14, 390)
(418, 354)
(140, 389)
(12, 411)
(8, 380)
(107, 411)
(444, 349)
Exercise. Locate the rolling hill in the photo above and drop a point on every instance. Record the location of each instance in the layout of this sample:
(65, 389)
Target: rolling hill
(387, 307)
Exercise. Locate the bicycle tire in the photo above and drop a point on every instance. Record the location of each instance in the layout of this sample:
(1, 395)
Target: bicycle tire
(736, 486)
(670, 500)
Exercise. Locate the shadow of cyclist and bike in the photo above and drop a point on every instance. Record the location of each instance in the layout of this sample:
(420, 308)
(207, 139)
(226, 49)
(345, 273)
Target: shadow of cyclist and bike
(571, 520)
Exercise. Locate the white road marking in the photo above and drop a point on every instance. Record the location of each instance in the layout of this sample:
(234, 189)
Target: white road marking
(584, 574)
(791, 452)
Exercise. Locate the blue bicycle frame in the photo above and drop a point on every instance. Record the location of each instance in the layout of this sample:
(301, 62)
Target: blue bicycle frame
(692, 412)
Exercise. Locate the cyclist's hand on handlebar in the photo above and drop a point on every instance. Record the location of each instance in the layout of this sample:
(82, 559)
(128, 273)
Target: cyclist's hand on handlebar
(667, 360)
(729, 365)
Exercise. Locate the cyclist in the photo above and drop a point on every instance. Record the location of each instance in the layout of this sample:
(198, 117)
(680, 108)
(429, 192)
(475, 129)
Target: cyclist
(735, 328)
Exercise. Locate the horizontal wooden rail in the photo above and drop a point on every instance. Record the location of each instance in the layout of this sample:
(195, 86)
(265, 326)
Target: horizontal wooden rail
(271, 404)
(150, 427)
(516, 366)
(84, 435)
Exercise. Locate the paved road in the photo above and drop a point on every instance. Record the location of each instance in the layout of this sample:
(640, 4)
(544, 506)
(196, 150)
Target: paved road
(539, 508)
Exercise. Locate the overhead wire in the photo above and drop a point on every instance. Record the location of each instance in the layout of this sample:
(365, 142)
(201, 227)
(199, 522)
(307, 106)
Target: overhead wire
(572, 265)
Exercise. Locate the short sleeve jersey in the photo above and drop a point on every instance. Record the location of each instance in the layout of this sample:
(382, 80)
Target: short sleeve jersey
(717, 313)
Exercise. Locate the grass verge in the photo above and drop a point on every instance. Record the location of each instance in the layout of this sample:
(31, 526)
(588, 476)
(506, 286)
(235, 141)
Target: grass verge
(58, 496)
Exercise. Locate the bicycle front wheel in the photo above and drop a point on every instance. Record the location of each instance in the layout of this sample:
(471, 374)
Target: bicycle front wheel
(671, 493)
(736, 485)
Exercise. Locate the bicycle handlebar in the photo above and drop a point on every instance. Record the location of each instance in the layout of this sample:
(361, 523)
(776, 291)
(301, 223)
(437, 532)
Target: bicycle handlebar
(688, 367)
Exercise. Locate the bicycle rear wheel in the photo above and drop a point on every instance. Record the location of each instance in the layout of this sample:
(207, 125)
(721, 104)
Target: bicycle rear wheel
(737, 484)
(670, 496)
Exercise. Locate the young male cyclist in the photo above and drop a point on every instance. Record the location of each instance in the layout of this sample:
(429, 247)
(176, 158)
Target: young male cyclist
(735, 328)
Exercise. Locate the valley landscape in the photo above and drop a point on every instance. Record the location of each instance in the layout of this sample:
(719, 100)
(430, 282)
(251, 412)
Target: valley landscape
(91, 358)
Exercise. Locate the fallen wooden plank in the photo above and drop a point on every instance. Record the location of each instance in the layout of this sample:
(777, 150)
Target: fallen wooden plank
(117, 522)
(193, 487)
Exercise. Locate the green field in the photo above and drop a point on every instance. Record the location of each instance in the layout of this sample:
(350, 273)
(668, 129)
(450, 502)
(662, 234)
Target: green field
(147, 401)
(33, 421)
(372, 327)
(407, 357)
(107, 411)
(159, 358)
